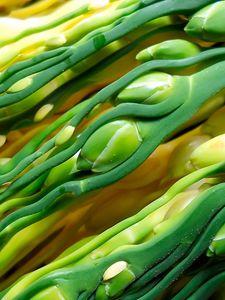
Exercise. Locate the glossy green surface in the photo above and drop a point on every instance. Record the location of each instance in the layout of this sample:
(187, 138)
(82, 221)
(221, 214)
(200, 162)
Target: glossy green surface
(144, 108)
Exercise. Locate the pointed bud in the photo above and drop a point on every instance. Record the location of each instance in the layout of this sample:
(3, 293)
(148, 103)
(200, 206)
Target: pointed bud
(64, 135)
(148, 89)
(179, 164)
(109, 146)
(208, 23)
(170, 49)
(209, 153)
(20, 85)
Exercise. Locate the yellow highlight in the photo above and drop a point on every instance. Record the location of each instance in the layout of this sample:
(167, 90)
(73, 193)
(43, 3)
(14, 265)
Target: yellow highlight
(2, 140)
(99, 3)
(43, 112)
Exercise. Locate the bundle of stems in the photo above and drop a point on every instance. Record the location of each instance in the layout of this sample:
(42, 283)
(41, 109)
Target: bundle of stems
(112, 146)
